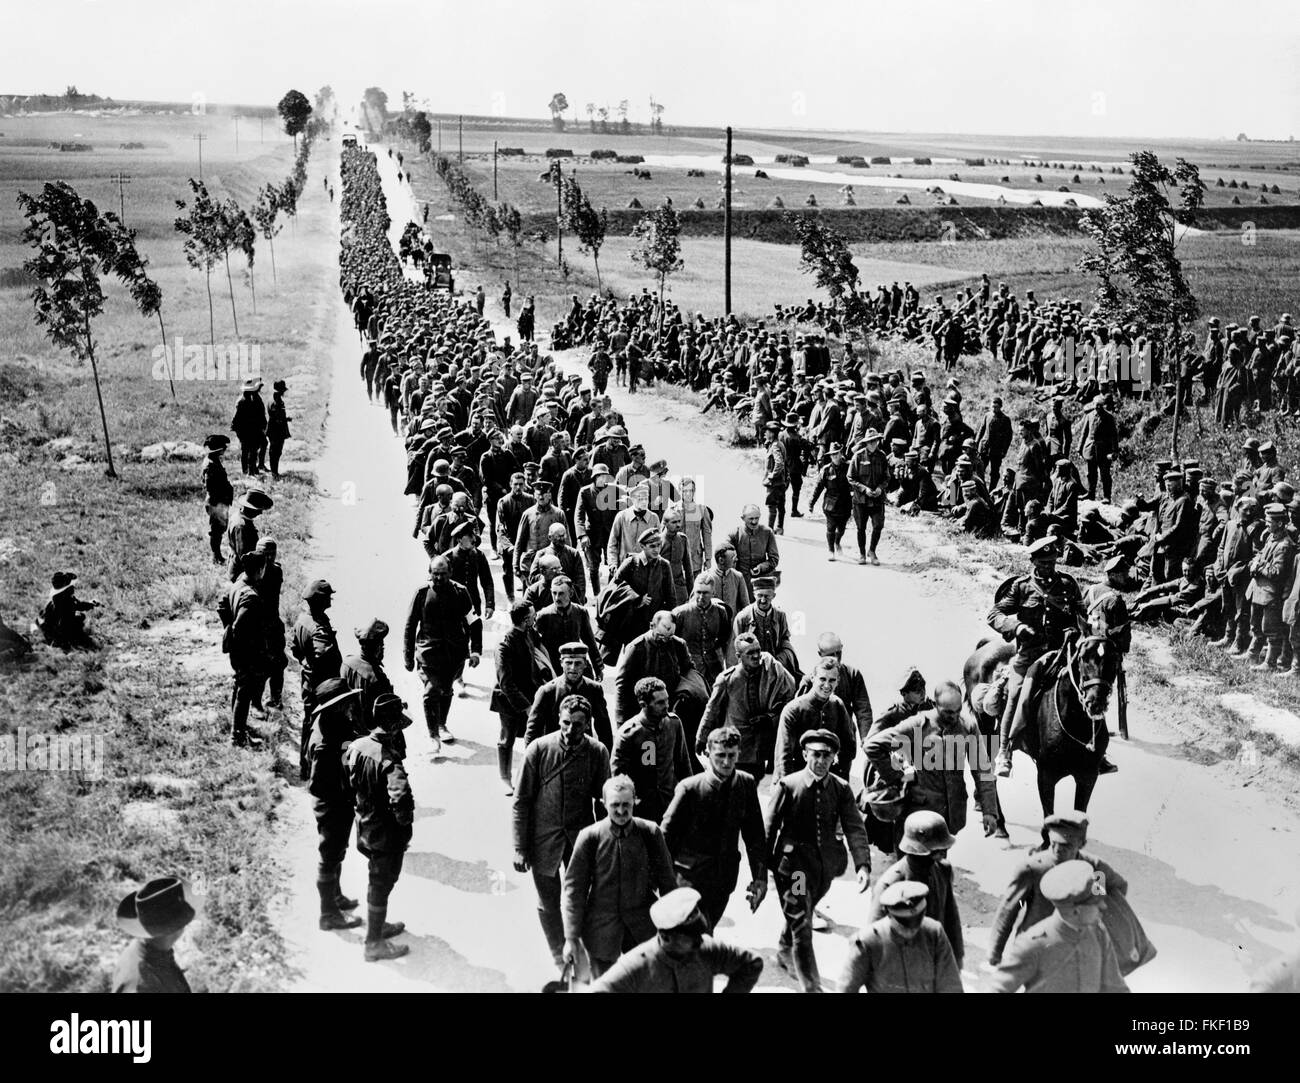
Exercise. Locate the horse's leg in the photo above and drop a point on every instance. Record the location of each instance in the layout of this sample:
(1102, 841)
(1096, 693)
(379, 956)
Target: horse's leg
(1046, 797)
(1083, 784)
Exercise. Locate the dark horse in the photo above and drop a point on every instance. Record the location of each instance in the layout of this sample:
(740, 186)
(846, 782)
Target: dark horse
(1066, 733)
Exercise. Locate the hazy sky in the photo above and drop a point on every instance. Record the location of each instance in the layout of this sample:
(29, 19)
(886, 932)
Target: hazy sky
(1071, 67)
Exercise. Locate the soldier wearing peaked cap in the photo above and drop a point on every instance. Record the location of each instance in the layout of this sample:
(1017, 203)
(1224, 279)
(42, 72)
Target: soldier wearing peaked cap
(364, 670)
(1269, 570)
(1070, 951)
(904, 951)
(811, 814)
(681, 958)
(1066, 833)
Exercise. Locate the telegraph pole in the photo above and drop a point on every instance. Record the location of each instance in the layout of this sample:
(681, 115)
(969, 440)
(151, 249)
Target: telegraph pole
(200, 136)
(726, 231)
(494, 171)
(559, 213)
(439, 137)
(235, 118)
(460, 137)
(121, 180)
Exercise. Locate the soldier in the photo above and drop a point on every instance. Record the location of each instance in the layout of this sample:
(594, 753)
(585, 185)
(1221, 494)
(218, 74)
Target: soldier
(810, 815)
(510, 512)
(618, 865)
(647, 574)
(543, 714)
(837, 501)
(563, 622)
(924, 847)
(1066, 833)
(749, 696)
(697, 525)
(993, 440)
(629, 526)
(249, 425)
(440, 636)
(534, 527)
(705, 821)
(770, 625)
(681, 958)
(1176, 524)
(277, 427)
(1037, 611)
(469, 567)
(1269, 569)
(522, 667)
(868, 477)
(1270, 472)
(315, 646)
(755, 546)
(242, 613)
(729, 586)
(903, 952)
(797, 454)
(569, 558)
(594, 517)
(385, 810)
(776, 479)
(650, 747)
(818, 707)
(268, 589)
(364, 670)
(704, 624)
(242, 530)
(1070, 951)
(336, 722)
(220, 494)
(674, 549)
(154, 916)
(940, 743)
(558, 795)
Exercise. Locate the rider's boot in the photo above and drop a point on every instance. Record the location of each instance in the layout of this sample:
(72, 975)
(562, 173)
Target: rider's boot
(1011, 734)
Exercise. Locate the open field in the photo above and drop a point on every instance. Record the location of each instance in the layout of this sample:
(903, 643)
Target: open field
(175, 797)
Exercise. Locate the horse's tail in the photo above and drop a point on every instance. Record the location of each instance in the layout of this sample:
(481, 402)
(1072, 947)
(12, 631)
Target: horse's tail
(984, 642)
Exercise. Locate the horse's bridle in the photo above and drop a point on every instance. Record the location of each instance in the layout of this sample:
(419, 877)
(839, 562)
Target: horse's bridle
(1071, 661)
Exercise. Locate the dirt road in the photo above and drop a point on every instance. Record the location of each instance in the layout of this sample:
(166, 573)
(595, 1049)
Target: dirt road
(1214, 868)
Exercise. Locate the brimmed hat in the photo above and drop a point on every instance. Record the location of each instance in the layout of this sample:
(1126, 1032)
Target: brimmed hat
(62, 581)
(162, 907)
(332, 691)
(389, 708)
(318, 589)
(279, 385)
(216, 442)
(254, 384)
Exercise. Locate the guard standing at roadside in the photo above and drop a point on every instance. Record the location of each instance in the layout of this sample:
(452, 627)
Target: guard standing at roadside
(336, 722)
(220, 494)
(316, 647)
(385, 811)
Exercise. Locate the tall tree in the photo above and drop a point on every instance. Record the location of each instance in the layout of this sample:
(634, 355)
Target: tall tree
(824, 254)
(422, 131)
(591, 116)
(201, 227)
(1139, 275)
(585, 222)
(244, 237)
(374, 104)
(265, 212)
(74, 245)
(295, 111)
(559, 103)
(512, 223)
(624, 124)
(658, 246)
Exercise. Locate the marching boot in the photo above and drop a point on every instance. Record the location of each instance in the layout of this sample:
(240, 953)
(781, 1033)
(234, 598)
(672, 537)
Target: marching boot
(505, 760)
(553, 930)
(331, 917)
(1269, 662)
(378, 931)
(1294, 671)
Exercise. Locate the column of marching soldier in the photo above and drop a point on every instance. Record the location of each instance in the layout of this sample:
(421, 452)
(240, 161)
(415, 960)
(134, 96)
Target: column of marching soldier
(706, 677)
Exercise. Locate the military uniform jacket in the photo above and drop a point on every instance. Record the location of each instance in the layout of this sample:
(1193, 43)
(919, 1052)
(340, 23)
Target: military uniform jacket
(216, 483)
(651, 578)
(241, 534)
(647, 968)
(1176, 523)
(773, 631)
(613, 876)
(374, 775)
(936, 788)
(534, 526)
(729, 588)
(756, 553)
(510, 511)
(369, 679)
(833, 487)
(1023, 899)
(655, 760)
(439, 633)
(558, 794)
(242, 612)
(804, 823)
(597, 507)
(646, 656)
(1099, 438)
(940, 904)
(570, 625)
(469, 568)
(1062, 605)
(885, 963)
(852, 692)
(1269, 570)
(544, 714)
(628, 525)
(803, 713)
(753, 707)
(1055, 958)
(316, 647)
(707, 635)
(523, 666)
(993, 441)
(674, 550)
(868, 478)
(705, 822)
